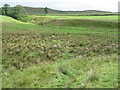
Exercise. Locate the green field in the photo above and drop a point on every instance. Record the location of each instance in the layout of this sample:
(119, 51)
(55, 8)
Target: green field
(101, 18)
(60, 52)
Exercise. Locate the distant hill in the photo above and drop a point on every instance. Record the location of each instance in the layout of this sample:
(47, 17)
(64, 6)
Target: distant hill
(37, 11)
(31, 10)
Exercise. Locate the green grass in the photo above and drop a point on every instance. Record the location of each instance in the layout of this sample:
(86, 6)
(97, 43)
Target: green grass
(101, 18)
(78, 23)
(72, 26)
(47, 74)
(78, 14)
(10, 24)
(60, 56)
(84, 23)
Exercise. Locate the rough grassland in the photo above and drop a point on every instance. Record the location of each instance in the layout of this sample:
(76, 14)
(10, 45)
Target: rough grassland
(55, 56)
(101, 18)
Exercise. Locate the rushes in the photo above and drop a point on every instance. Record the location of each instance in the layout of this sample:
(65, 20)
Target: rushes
(35, 48)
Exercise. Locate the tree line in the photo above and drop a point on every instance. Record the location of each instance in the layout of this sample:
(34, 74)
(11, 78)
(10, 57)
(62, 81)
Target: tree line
(18, 12)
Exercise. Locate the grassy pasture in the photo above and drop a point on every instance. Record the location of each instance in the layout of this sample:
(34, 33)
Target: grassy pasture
(58, 56)
(101, 18)
(10, 24)
(78, 24)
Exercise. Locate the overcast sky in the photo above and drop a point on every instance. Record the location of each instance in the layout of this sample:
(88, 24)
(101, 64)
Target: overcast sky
(104, 5)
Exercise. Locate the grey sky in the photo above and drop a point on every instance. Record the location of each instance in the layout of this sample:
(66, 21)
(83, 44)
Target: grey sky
(105, 5)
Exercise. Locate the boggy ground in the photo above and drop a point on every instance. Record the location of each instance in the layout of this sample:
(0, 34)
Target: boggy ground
(54, 57)
(23, 49)
(60, 60)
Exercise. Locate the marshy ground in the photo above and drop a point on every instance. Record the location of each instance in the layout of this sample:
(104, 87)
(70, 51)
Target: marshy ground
(59, 53)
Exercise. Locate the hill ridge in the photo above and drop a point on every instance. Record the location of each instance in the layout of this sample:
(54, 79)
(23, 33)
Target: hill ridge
(40, 10)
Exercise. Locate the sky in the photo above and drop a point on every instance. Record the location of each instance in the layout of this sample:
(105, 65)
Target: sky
(75, 5)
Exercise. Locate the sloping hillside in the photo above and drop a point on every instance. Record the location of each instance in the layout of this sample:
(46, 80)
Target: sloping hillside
(10, 24)
(32, 10)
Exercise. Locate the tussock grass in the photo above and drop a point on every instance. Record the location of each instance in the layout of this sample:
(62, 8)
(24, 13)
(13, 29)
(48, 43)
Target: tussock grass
(47, 74)
(84, 23)
(51, 56)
